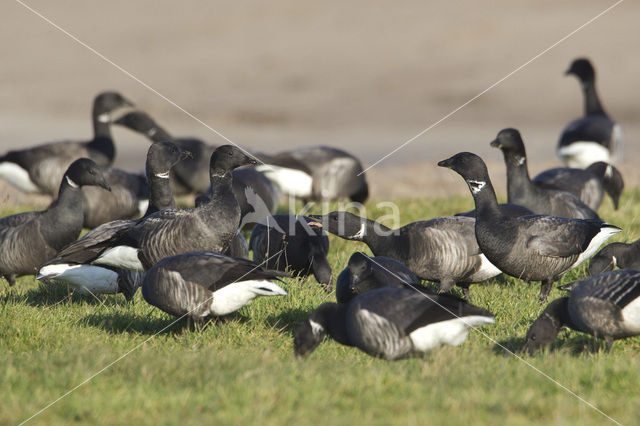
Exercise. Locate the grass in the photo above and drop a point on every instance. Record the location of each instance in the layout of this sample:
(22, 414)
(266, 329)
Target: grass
(241, 369)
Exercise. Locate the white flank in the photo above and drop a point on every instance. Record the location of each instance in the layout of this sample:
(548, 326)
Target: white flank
(451, 332)
(487, 269)
(85, 279)
(582, 154)
(234, 296)
(17, 176)
(605, 233)
(290, 181)
(631, 316)
(124, 257)
(143, 205)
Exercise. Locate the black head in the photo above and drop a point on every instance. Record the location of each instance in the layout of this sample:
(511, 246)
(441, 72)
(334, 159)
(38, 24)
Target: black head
(611, 180)
(604, 261)
(344, 291)
(228, 157)
(582, 69)
(360, 268)
(344, 224)
(545, 329)
(307, 337)
(470, 167)
(138, 121)
(84, 171)
(162, 156)
(509, 141)
(106, 102)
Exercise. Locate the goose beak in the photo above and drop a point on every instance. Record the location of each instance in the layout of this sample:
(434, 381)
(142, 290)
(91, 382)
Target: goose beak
(104, 185)
(184, 154)
(445, 163)
(496, 144)
(250, 160)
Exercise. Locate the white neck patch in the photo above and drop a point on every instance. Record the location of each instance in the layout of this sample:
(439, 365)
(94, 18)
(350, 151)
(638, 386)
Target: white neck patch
(152, 131)
(358, 235)
(71, 182)
(105, 117)
(520, 160)
(608, 172)
(476, 185)
(163, 175)
(316, 328)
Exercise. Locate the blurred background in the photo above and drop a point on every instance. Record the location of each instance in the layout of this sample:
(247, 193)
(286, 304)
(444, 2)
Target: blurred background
(364, 76)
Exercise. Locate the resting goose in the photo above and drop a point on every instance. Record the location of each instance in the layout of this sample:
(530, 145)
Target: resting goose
(364, 273)
(621, 255)
(587, 184)
(533, 248)
(29, 239)
(606, 306)
(317, 173)
(443, 249)
(200, 285)
(40, 168)
(71, 265)
(292, 243)
(520, 189)
(208, 227)
(593, 137)
(391, 323)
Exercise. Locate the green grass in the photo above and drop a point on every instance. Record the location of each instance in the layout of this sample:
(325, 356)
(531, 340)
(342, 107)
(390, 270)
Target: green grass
(241, 369)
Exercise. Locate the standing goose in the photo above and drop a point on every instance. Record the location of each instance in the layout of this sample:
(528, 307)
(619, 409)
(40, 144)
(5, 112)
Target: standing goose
(443, 249)
(29, 239)
(208, 227)
(391, 323)
(587, 184)
(606, 306)
(205, 284)
(292, 243)
(593, 137)
(533, 248)
(520, 189)
(71, 265)
(317, 173)
(364, 273)
(621, 255)
(40, 168)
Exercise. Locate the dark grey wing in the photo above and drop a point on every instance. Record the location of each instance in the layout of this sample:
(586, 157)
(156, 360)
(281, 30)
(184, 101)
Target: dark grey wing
(620, 287)
(17, 219)
(554, 236)
(591, 128)
(265, 242)
(506, 209)
(23, 248)
(565, 204)
(392, 272)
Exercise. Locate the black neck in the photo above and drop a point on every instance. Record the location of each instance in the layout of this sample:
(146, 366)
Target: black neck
(102, 148)
(221, 181)
(591, 101)
(158, 134)
(486, 201)
(519, 183)
(558, 312)
(64, 214)
(332, 316)
(375, 235)
(160, 193)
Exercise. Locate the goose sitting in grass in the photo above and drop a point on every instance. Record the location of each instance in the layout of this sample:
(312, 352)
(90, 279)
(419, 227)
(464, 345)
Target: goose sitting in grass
(391, 323)
(616, 255)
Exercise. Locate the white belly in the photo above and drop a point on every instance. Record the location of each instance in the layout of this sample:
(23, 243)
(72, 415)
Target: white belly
(451, 332)
(583, 154)
(17, 176)
(290, 181)
(85, 279)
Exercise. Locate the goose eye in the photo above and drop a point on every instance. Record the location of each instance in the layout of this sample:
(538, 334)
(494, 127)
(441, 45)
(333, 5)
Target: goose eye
(533, 337)
(230, 153)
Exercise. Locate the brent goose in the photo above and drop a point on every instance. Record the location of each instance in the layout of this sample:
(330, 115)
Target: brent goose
(391, 323)
(292, 243)
(587, 184)
(606, 306)
(317, 173)
(443, 249)
(71, 264)
(520, 189)
(621, 255)
(533, 248)
(507, 209)
(29, 239)
(209, 227)
(40, 168)
(200, 285)
(364, 273)
(593, 137)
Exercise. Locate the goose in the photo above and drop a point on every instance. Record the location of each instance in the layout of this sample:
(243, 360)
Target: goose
(621, 255)
(507, 209)
(192, 176)
(209, 227)
(533, 248)
(364, 273)
(29, 239)
(200, 285)
(443, 249)
(593, 137)
(292, 243)
(520, 189)
(317, 173)
(391, 323)
(606, 305)
(71, 265)
(40, 168)
(587, 184)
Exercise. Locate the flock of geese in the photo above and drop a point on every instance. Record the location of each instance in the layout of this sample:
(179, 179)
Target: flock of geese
(194, 262)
